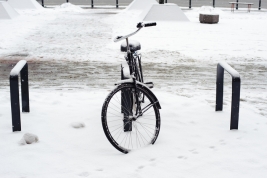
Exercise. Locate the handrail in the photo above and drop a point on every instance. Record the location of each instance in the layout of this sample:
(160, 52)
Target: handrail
(117, 3)
(22, 69)
(236, 82)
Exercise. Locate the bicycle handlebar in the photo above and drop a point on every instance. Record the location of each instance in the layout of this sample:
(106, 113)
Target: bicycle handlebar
(139, 26)
(150, 24)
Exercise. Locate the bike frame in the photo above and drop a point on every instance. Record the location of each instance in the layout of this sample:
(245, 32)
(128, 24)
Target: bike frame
(132, 64)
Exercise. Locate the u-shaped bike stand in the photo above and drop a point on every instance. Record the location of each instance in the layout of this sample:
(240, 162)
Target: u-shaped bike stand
(22, 69)
(236, 83)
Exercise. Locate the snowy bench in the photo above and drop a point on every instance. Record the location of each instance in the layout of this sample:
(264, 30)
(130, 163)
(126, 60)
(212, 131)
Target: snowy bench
(245, 3)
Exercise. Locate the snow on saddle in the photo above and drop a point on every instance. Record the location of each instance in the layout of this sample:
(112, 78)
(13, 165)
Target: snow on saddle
(134, 46)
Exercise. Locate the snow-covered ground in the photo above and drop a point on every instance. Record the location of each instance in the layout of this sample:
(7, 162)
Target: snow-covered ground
(73, 64)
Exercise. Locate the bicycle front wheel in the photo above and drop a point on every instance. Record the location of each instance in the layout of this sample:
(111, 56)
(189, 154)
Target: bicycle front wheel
(122, 128)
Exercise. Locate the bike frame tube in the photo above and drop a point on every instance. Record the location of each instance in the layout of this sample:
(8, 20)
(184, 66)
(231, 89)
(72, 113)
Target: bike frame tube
(140, 67)
(127, 43)
(133, 66)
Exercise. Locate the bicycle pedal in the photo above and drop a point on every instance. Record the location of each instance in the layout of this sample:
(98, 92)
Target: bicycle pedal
(149, 84)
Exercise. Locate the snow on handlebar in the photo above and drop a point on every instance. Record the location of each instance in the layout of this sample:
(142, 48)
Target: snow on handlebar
(139, 26)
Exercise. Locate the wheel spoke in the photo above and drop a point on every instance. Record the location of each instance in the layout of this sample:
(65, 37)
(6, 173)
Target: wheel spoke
(126, 134)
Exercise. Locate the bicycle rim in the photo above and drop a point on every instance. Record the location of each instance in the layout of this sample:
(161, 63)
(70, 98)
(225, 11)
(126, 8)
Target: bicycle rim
(123, 133)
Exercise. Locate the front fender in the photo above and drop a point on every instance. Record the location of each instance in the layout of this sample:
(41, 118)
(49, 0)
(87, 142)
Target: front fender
(130, 81)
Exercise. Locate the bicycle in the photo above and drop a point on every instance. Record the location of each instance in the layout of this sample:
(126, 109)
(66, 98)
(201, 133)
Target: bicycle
(130, 113)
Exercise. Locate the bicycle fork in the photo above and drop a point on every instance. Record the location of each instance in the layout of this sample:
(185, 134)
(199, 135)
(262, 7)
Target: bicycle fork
(135, 104)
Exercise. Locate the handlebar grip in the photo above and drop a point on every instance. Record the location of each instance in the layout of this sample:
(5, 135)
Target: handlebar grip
(150, 24)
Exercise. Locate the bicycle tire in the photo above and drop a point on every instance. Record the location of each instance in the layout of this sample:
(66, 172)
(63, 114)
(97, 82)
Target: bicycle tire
(143, 131)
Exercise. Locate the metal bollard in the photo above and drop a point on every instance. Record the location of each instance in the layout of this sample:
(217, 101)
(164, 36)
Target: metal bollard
(236, 82)
(22, 68)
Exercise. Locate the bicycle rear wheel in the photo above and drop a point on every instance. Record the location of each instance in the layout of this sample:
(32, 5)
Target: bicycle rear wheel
(122, 129)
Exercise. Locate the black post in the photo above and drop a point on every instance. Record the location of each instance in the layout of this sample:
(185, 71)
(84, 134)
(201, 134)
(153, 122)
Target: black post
(166, 1)
(214, 3)
(259, 4)
(14, 97)
(43, 3)
(126, 104)
(92, 3)
(22, 68)
(67, 1)
(236, 7)
(219, 88)
(189, 4)
(25, 89)
(235, 103)
(117, 3)
(161, 1)
(236, 83)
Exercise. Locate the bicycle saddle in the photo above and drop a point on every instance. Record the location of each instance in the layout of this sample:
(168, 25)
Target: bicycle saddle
(134, 46)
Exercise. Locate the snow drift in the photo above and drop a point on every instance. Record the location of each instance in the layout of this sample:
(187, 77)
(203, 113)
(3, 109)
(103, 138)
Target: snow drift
(69, 7)
(28, 138)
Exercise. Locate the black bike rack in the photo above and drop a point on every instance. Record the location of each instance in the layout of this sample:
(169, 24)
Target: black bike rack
(236, 82)
(22, 68)
(126, 103)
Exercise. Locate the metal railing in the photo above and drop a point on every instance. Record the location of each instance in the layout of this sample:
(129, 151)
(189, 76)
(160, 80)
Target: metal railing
(22, 69)
(117, 3)
(236, 82)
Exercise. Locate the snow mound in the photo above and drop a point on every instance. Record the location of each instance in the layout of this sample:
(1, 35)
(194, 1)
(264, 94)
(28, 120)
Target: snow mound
(25, 4)
(29, 138)
(163, 12)
(77, 125)
(6, 11)
(69, 7)
(209, 10)
(140, 4)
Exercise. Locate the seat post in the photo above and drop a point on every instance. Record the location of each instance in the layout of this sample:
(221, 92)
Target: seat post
(127, 43)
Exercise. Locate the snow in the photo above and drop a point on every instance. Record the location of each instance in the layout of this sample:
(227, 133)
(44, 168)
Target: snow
(16, 70)
(124, 81)
(209, 10)
(77, 125)
(132, 42)
(163, 12)
(126, 71)
(180, 58)
(29, 138)
(69, 7)
(25, 4)
(6, 11)
(194, 140)
(229, 69)
(140, 4)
